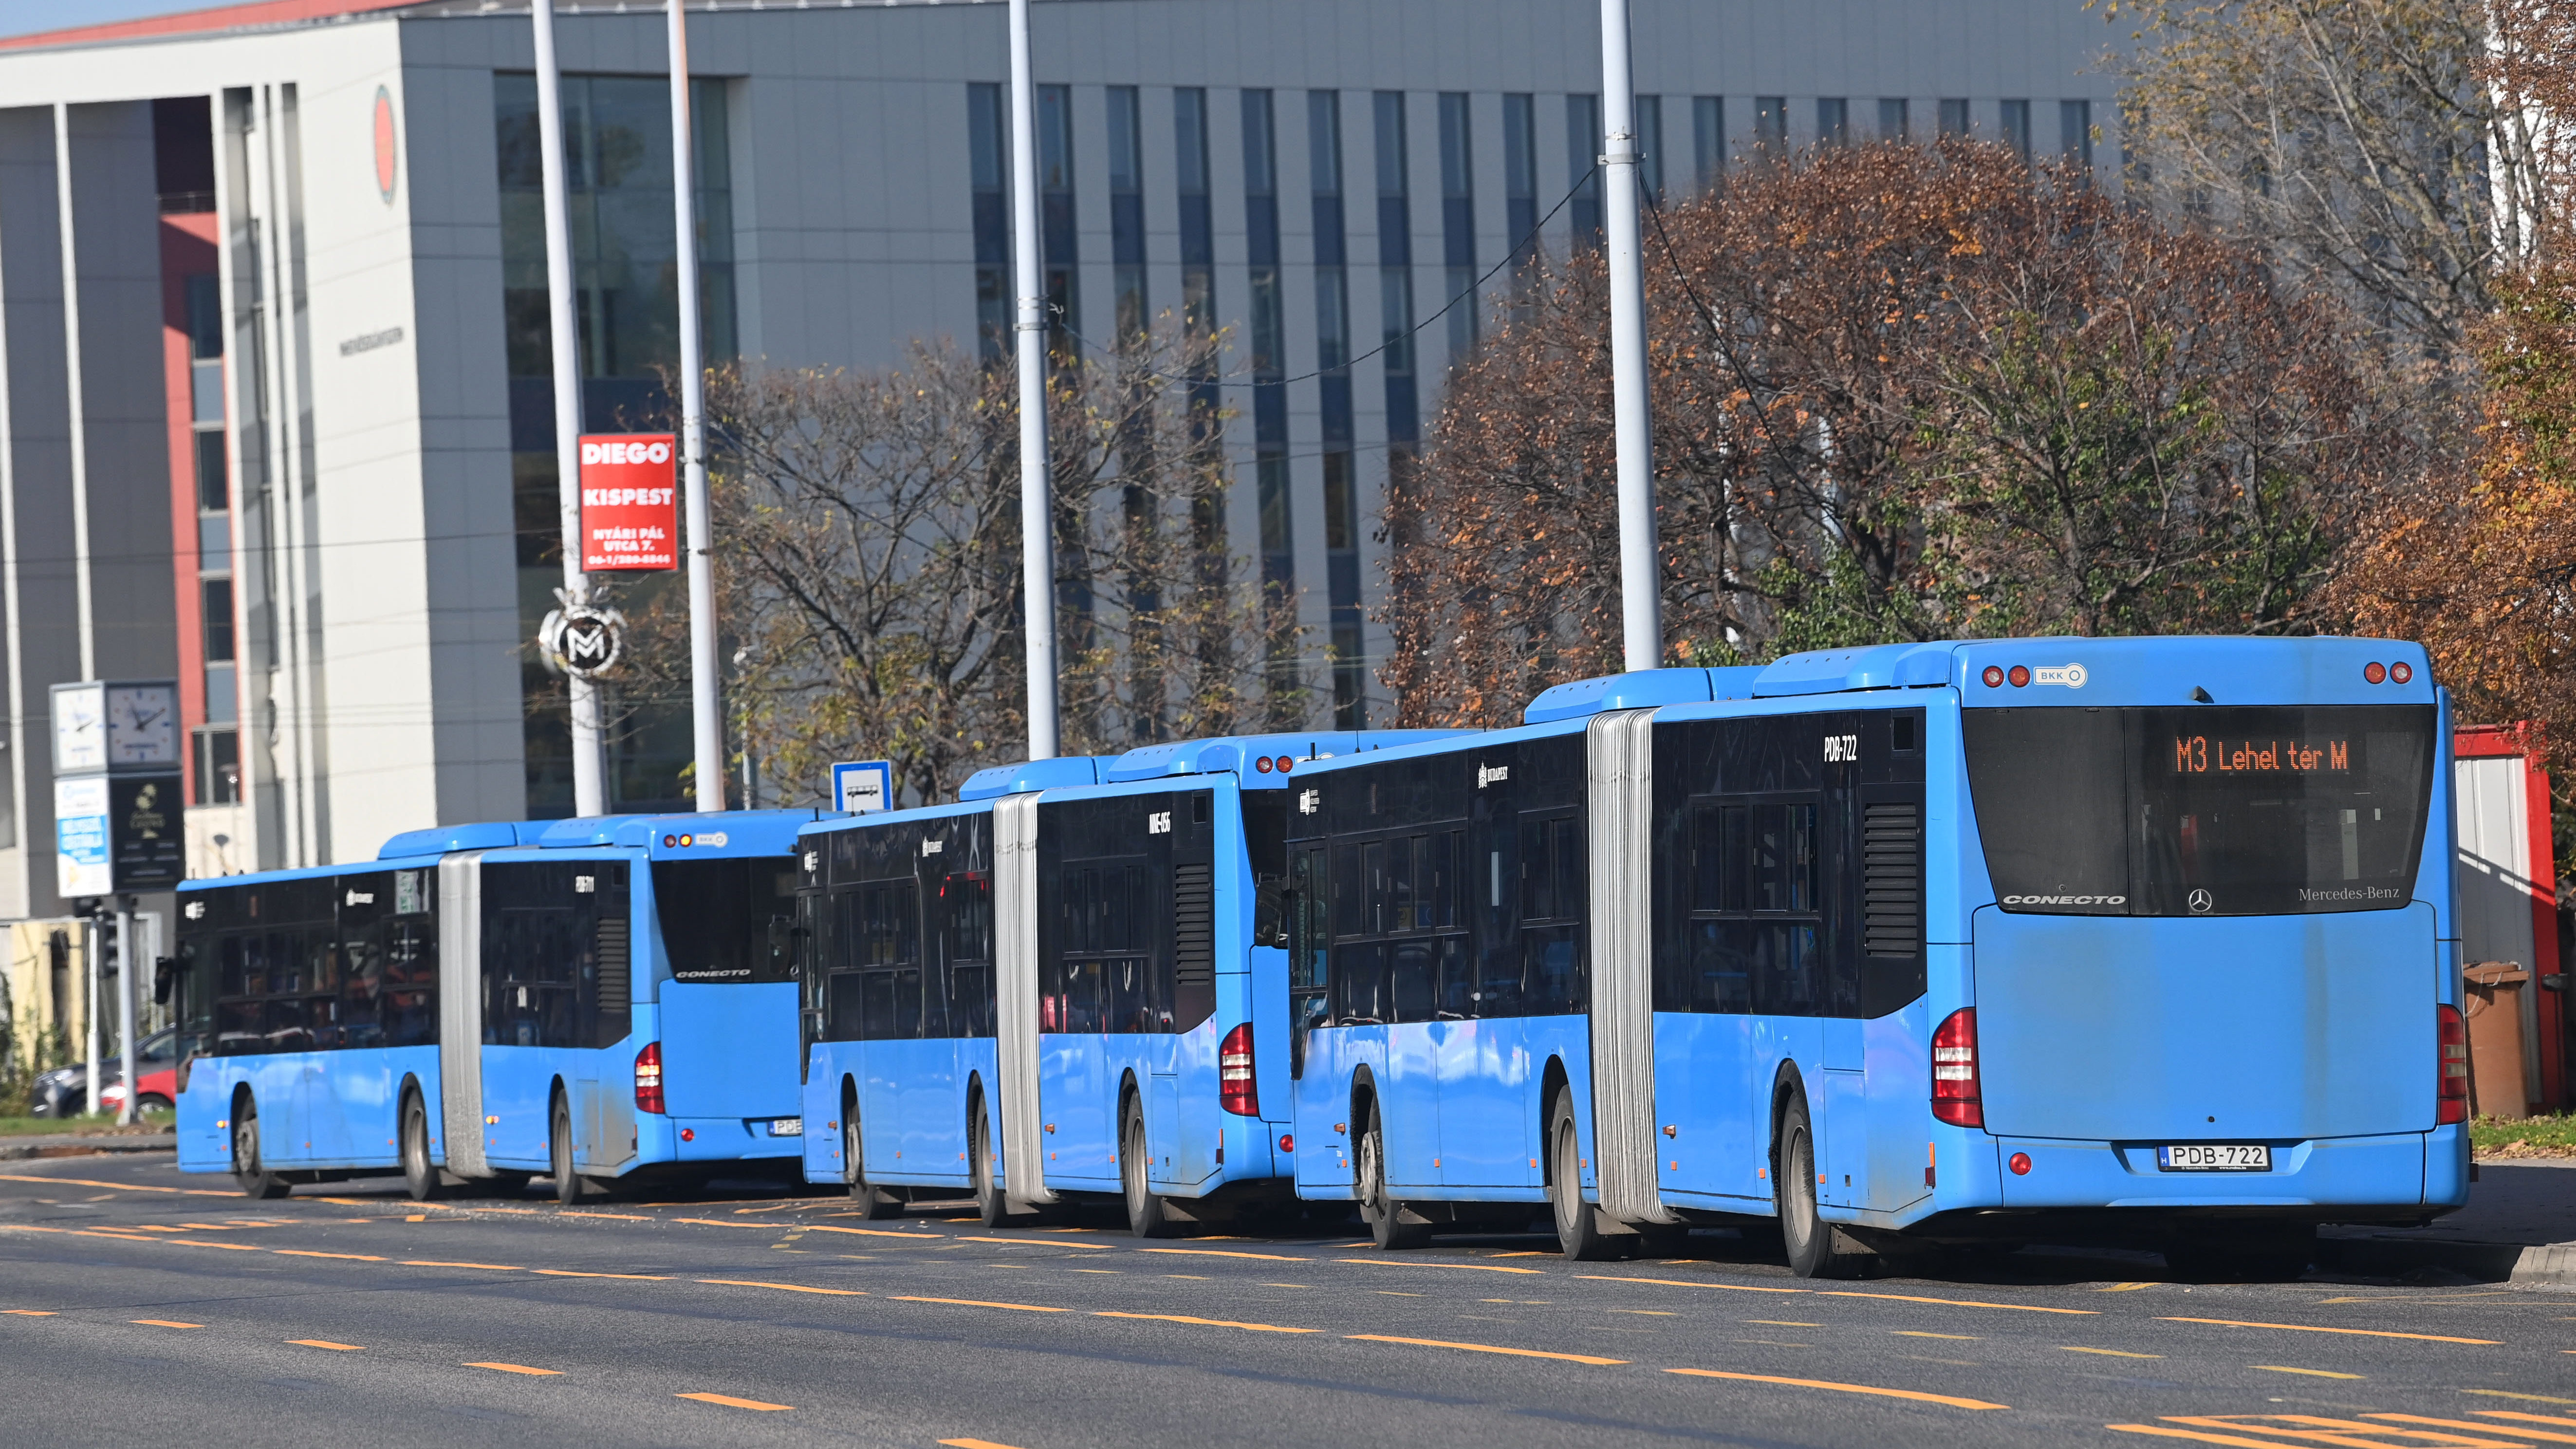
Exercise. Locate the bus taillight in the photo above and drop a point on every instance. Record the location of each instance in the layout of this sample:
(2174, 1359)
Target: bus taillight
(1956, 1096)
(1234, 1087)
(2451, 1089)
(648, 1078)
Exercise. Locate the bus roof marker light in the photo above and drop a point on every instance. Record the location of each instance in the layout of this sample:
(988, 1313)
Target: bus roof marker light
(2401, 671)
(1994, 676)
(2374, 671)
(1286, 764)
(1262, 763)
(2020, 676)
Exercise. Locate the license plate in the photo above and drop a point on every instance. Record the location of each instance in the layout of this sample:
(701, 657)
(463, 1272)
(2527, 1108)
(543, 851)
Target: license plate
(2215, 1157)
(787, 1127)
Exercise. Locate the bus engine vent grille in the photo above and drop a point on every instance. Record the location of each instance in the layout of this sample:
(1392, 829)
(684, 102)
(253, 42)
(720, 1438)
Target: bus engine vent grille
(613, 984)
(1892, 879)
(1193, 925)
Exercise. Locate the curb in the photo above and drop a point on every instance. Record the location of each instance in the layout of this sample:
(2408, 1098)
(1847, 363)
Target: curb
(2545, 1265)
(87, 1147)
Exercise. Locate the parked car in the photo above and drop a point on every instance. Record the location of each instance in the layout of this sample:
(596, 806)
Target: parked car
(64, 1091)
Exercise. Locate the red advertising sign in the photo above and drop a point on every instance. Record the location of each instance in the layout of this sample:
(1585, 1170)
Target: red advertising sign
(628, 518)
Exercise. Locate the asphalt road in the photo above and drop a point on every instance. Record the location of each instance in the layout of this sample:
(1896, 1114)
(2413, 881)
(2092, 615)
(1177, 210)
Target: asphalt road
(138, 1304)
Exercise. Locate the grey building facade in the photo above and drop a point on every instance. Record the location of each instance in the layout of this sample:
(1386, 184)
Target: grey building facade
(359, 281)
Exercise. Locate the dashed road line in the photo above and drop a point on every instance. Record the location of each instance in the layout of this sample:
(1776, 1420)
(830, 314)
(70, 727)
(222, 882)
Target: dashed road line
(310, 1253)
(1208, 1322)
(730, 1402)
(1917, 1395)
(2542, 1435)
(576, 1273)
(976, 1444)
(979, 1303)
(437, 1263)
(1483, 1348)
(783, 1287)
(519, 1368)
(326, 1343)
(1429, 1263)
(1225, 1253)
(2282, 1368)
(2107, 1352)
(163, 1323)
(2355, 1332)
(116, 1186)
(31, 1312)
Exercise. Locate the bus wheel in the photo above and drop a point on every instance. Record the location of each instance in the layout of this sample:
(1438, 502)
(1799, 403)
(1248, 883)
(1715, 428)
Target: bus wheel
(256, 1181)
(1145, 1215)
(1384, 1215)
(568, 1184)
(874, 1202)
(418, 1175)
(989, 1205)
(1578, 1230)
(1809, 1239)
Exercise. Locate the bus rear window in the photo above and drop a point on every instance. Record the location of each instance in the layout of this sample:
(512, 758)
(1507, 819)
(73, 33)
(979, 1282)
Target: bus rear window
(727, 920)
(2206, 810)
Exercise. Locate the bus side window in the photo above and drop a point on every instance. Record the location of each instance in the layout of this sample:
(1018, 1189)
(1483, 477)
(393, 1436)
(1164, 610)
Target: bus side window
(1309, 958)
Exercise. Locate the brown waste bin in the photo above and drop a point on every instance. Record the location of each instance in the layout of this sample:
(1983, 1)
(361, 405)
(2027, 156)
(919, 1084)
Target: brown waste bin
(2496, 1086)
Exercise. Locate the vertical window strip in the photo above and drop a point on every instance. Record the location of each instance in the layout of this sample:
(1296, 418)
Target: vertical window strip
(1268, 329)
(1583, 173)
(2075, 135)
(1708, 138)
(1650, 149)
(2016, 120)
(1056, 213)
(1127, 213)
(1893, 124)
(1332, 358)
(1954, 116)
(987, 166)
(1458, 220)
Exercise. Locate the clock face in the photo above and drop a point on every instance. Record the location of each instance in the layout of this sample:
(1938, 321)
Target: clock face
(142, 725)
(80, 739)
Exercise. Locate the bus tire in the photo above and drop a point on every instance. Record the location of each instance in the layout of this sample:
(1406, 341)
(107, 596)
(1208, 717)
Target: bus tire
(1813, 1246)
(1384, 1215)
(1578, 1229)
(255, 1179)
(568, 1183)
(1145, 1215)
(420, 1178)
(874, 1202)
(990, 1206)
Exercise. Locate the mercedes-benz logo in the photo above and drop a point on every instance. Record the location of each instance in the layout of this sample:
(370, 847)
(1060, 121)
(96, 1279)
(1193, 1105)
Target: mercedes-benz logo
(2200, 902)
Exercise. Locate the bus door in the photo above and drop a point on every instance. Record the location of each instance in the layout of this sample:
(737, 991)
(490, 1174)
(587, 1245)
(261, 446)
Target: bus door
(1319, 1093)
(1085, 985)
(961, 889)
(556, 988)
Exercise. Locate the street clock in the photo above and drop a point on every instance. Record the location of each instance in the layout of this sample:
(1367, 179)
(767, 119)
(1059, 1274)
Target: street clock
(142, 725)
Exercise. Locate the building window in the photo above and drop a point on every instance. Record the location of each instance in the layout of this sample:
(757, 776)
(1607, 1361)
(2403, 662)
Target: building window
(1458, 221)
(217, 598)
(1833, 121)
(218, 767)
(1892, 124)
(1650, 149)
(1268, 327)
(1708, 140)
(984, 135)
(1771, 127)
(1520, 177)
(1395, 279)
(2075, 135)
(1198, 226)
(1332, 358)
(1055, 215)
(2016, 118)
(214, 490)
(1582, 148)
(1954, 117)
(1126, 215)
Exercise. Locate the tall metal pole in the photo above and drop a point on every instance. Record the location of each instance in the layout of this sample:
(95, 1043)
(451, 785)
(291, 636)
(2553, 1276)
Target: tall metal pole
(706, 716)
(589, 797)
(1037, 539)
(125, 1003)
(95, 1048)
(1640, 578)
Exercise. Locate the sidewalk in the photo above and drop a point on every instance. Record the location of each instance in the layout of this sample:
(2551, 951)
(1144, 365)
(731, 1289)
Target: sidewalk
(85, 1144)
(2520, 1225)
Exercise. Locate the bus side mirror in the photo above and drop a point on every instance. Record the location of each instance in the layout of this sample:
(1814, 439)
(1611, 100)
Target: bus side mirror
(165, 975)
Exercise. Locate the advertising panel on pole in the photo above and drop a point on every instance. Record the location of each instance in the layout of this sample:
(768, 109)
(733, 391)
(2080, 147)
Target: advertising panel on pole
(147, 849)
(863, 787)
(629, 507)
(81, 861)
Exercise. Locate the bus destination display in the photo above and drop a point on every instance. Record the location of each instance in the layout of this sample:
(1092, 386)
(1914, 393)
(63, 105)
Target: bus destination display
(2202, 755)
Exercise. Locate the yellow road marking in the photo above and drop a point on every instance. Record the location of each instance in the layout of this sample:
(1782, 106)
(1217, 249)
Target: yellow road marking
(2355, 1332)
(1482, 1347)
(120, 1237)
(163, 1323)
(2502, 1394)
(326, 1343)
(434, 1263)
(573, 1273)
(417, 1218)
(2307, 1426)
(2161, 1431)
(1223, 1253)
(2108, 1352)
(1642, 1312)
(1425, 1263)
(1529, 1253)
(730, 1402)
(310, 1253)
(2123, 1287)
(783, 1287)
(863, 1232)
(1957, 1302)
(983, 1303)
(774, 1207)
(1915, 1394)
(2276, 1368)
(31, 1312)
(1112, 1272)
(1782, 1323)
(620, 1217)
(975, 1444)
(1684, 1283)
(1919, 1333)
(721, 1223)
(518, 1368)
(1039, 1243)
(118, 1186)
(202, 1243)
(158, 1228)
(1208, 1322)
(2541, 1434)
(227, 1227)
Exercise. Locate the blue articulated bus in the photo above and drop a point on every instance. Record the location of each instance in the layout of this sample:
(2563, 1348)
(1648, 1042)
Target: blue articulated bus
(604, 1000)
(1067, 985)
(2137, 940)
